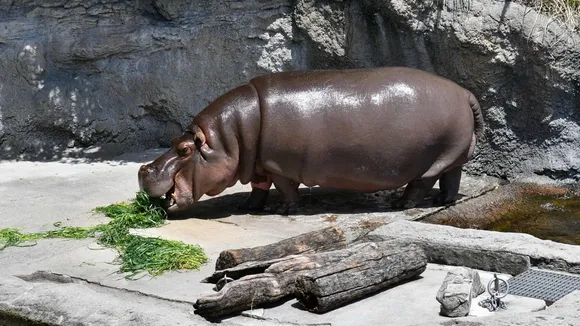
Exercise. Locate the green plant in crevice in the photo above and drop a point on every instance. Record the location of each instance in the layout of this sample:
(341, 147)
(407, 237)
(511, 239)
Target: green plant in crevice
(136, 253)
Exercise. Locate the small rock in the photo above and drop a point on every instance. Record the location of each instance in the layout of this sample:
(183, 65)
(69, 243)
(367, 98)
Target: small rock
(459, 287)
(254, 313)
(550, 207)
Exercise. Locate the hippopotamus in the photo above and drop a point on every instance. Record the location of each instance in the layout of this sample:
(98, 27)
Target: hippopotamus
(365, 130)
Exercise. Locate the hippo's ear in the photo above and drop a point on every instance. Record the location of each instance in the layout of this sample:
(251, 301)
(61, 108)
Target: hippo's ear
(199, 137)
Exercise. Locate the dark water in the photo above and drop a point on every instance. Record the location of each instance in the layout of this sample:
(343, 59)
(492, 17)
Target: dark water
(549, 217)
(11, 319)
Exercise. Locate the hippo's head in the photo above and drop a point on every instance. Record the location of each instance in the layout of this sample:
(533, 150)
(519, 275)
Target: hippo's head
(189, 169)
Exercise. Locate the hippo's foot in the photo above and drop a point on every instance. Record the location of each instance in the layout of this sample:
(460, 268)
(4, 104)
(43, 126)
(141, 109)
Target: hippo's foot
(443, 200)
(255, 201)
(403, 204)
(285, 209)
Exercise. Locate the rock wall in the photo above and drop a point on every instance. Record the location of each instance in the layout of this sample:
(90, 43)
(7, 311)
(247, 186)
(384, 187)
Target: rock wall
(127, 75)
(523, 67)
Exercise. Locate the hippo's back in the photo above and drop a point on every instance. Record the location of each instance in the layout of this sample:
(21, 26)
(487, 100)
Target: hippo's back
(365, 129)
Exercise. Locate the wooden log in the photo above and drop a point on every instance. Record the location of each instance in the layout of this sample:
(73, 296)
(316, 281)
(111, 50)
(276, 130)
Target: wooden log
(376, 267)
(279, 279)
(243, 269)
(243, 294)
(274, 284)
(331, 238)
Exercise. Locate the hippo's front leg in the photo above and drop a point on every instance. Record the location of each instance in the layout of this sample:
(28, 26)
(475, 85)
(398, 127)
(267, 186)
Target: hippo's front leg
(257, 198)
(289, 190)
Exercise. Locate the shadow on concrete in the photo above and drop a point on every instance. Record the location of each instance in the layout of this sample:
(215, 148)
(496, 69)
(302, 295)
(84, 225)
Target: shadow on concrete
(299, 306)
(270, 305)
(104, 154)
(313, 201)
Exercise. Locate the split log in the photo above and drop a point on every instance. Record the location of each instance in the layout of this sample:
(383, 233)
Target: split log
(274, 284)
(278, 281)
(376, 267)
(331, 238)
(244, 269)
(243, 294)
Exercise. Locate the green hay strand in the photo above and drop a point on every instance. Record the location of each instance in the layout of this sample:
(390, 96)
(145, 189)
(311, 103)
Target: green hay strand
(159, 255)
(11, 237)
(138, 254)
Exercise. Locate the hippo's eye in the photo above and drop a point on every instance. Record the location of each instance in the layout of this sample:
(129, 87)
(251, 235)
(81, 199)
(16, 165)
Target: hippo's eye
(184, 150)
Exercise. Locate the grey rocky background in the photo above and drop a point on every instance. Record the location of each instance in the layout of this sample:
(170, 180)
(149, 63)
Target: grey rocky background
(128, 75)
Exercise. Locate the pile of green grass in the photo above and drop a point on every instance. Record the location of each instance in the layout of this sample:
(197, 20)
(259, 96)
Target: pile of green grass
(136, 253)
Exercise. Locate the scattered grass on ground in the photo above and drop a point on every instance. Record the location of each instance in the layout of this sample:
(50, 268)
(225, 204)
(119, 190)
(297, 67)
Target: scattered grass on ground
(10, 237)
(136, 253)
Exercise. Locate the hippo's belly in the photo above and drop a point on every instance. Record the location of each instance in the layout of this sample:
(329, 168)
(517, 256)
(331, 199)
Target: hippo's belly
(354, 166)
(367, 173)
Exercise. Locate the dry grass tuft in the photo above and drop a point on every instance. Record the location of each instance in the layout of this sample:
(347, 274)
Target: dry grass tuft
(370, 224)
(331, 218)
(567, 11)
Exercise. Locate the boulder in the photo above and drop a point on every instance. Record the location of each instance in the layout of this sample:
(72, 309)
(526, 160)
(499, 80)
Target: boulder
(459, 287)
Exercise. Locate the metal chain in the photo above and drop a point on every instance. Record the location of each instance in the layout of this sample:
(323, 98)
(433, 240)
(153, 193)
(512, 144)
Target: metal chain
(493, 303)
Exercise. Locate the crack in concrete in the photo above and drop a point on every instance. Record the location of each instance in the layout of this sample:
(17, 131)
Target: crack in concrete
(249, 314)
(460, 201)
(225, 222)
(52, 277)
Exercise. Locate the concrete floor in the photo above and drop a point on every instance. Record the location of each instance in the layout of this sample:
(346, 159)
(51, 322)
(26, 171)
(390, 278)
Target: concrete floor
(35, 195)
(405, 304)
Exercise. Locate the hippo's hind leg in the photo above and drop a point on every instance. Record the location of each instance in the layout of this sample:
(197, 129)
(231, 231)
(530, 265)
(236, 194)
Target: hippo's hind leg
(289, 190)
(448, 186)
(415, 191)
(257, 198)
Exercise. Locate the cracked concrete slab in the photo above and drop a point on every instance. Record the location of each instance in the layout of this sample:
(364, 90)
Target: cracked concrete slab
(70, 301)
(38, 194)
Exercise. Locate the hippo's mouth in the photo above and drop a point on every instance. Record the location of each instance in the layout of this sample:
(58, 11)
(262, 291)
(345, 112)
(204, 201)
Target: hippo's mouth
(172, 185)
(169, 200)
(175, 200)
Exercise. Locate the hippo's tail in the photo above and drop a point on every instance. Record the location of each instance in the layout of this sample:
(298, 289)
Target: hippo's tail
(477, 117)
